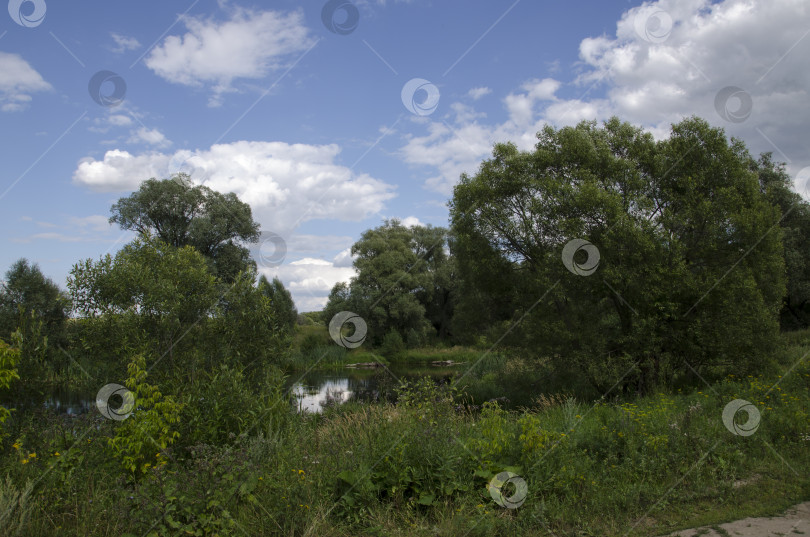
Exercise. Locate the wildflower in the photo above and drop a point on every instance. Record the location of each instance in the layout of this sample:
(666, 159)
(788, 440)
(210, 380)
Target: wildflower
(32, 455)
(56, 454)
(16, 445)
(24, 461)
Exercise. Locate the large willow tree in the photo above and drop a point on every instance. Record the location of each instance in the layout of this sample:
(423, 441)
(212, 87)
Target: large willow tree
(691, 271)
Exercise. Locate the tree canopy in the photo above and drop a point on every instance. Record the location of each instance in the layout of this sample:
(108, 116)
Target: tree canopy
(183, 214)
(691, 272)
(402, 284)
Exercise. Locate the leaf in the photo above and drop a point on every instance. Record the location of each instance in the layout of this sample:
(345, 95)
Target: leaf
(426, 499)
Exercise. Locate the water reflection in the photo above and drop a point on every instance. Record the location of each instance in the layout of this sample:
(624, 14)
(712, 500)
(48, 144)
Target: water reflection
(309, 392)
(317, 389)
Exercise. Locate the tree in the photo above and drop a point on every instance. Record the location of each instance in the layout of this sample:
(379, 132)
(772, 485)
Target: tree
(36, 306)
(690, 272)
(777, 187)
(150, 296)
(182, 214)
(282, 301)
(402, 284)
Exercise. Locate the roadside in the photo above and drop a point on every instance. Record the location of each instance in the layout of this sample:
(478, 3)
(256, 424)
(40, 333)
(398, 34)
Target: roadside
(795, 521)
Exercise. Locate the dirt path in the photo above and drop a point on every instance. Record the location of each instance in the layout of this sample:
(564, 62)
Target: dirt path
(796, 521)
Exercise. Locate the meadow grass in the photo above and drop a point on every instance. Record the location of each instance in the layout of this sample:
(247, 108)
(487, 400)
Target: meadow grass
(644, 466)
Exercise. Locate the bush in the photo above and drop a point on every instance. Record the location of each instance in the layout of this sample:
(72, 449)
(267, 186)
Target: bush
(392, 344)
(140, 439)
(223, 405)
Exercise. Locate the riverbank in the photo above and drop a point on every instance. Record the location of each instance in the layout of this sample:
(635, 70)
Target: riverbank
(646, 466)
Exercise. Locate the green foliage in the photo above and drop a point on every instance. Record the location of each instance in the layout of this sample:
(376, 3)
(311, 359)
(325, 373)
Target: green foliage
(404, 282)
(223, 404)
(151, 295)
(250, 329)
(9, 358)
(37, 307)
(15, 507)
(667, 228)
(392, 344)
(182, 214)
(141, 441)
(777, 187)
(282, 302)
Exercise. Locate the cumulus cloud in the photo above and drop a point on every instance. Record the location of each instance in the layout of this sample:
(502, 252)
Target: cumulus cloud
(285, 184)
(18, 82)
(249, 45)
(119, 120)
(123, 43)
(668, 60)
(150, 137)
(310, 280)
(344, 258)
(477, 93)
(459, 146)
(411, 221)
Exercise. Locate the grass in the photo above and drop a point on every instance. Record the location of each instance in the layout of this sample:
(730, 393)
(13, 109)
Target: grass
(645, 466)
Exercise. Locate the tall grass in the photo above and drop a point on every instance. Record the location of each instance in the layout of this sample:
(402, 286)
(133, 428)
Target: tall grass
(643, 466)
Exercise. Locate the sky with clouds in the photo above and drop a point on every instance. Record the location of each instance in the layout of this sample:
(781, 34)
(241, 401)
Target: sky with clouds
(329, 116)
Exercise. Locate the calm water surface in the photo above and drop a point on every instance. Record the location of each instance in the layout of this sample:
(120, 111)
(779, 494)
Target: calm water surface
(309, 391)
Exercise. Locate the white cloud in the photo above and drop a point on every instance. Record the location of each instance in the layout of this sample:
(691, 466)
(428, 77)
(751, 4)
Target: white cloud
(19, 80)
(123, 43)
(119, 120)
(285, 184)
(411, 221)
(477, 93)
(249, 45)
(310, 280)
(120, 170)
(760, 47)
(344, 258)
(149, 136)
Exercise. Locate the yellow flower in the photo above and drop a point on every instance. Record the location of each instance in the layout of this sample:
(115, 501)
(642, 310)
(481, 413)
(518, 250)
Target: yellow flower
(32, 455)
(25, 461)
(56, 454)
(301, 472)
(16, 445)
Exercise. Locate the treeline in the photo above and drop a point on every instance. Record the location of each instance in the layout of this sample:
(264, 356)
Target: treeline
(685, 257)
(185, 294)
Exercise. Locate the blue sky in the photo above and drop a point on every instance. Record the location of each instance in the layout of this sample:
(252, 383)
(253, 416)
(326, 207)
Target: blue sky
(310, 126)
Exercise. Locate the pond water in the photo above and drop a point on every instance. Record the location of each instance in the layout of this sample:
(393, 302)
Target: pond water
(309, 391)
(313, 390)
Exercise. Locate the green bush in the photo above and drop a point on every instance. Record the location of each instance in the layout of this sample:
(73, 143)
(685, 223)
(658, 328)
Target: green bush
(392, 344)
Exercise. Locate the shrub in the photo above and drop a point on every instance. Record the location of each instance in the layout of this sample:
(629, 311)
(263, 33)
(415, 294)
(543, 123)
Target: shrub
(392, 344)
(140, 438)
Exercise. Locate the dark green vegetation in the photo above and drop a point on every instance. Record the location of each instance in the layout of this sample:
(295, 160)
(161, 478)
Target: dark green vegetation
(603, 391)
